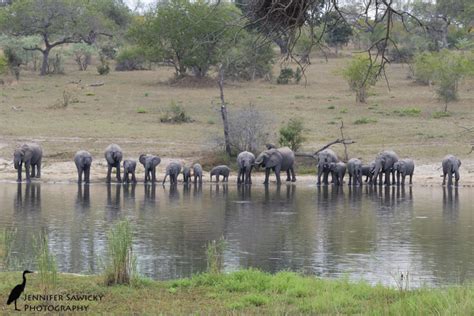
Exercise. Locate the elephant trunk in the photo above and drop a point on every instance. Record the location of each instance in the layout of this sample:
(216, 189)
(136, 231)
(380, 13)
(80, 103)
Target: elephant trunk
(16, 164)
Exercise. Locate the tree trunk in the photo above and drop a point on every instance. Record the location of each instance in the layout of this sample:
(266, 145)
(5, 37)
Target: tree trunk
(44, 66)
(225, 120)
(283, 44)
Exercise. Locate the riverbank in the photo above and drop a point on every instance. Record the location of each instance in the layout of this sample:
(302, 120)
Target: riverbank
(245, 292)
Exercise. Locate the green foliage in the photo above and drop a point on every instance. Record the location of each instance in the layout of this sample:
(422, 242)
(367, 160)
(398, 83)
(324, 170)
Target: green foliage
(28, 58)
(413, 112)
(291, 134)
(141, 110)
(190, 35)
(361, 74)
(365, 120)
(248, 59)
(7, 237)
(287, 74)
(175, 114)
(47, 267)
(82, 55)
(424, 67)
(440, 114)
(338, 30)
(130, 58)
(215, 255)
(3, 64)
(120, 261)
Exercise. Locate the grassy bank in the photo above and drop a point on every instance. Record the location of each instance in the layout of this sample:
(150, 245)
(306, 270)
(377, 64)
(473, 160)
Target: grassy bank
(249, 292)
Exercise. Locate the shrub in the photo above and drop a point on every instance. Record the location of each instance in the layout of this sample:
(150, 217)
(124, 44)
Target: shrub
(3, 64)
(13, 60)
(175, 114)
(215, 256)
(82, 55)
(414, 112)
(291, 135)
(130, 58)
(423, 67)
(440, 114)
(361, 74)
(249, 129)
(55, 65)
(103, 68)
(120, 261)
(286, 74)
(365, 120)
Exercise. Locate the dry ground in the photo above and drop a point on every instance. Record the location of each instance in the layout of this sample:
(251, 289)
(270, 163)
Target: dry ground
(110, 113)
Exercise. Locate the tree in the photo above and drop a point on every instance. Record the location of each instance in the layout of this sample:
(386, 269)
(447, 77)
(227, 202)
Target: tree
(188, 35)
(291, 135)
(338, 30)
(57, 22)
(361, 74)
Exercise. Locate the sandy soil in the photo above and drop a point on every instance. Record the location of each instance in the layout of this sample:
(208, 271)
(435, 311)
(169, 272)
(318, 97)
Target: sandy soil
(65, 172)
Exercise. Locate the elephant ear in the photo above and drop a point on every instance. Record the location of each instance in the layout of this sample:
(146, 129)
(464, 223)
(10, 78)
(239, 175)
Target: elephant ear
(156, 161)
(28, 154)
(273, 160)
(142, 159)
(459, 163)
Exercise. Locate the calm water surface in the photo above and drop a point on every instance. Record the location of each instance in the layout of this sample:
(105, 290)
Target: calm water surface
(363, 233)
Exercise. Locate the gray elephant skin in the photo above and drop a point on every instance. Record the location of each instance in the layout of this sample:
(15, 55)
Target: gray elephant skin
(197, 173)
(367, 171)
(83, 161)
(129, 167)
(245, 162)
(338, 171)
(30, 155)
(403, 168)
(149, 162)
(384, 165)
(277, 159)
(172, 170)
(186, 174)
(354, 169)
(113, 155)
(325, 158)
(451, 166)
(218, 171)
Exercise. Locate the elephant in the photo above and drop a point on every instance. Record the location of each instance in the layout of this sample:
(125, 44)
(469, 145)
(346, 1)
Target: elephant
(186, 174)
(245, 161)
(197, 173)
(325, 157)
(221, 170)
(338, 171)
(113, 155)
(172, 170)
(149, 162)
(277, 159)
(404, 167)
(384, 164)
(83, 161)
(367, 171)
(451, 165)
(31, 155)
(354, 168)
(129, 167)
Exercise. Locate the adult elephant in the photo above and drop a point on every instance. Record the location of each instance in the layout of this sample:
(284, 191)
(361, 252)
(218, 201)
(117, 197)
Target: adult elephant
(30, 155)
(277, 159)
(245, 161)
(325, 158)
(113, 155)
(384, 163)
(149, 162)
(451, 166)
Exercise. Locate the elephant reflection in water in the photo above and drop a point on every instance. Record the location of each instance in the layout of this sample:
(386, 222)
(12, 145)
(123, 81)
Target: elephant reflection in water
(328, 198)
(129, 195)
(244, 192)
(197, 190)
(450, 203)
(219, 190)
(83, 200)
(113, 203)
(31, 201)
(277, 195)
(149, 196)
(173, 193)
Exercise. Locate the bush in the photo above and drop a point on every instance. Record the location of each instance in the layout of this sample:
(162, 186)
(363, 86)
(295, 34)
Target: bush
(82, 55)
(120, 261)
(3, 64)
(423, 67)
(55, 65)
(414, 112)
(291, 135)
(14, 61)
(365, 120)
(286, 74)
(175, 114)
(249, 129)
(129, 59)
(361, 74)
(103, 68)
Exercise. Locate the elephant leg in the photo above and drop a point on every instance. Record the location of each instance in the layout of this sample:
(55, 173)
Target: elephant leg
(456, 178)
(117, 167)
(325, 177)
(109, 172)
(319, 176)
(277, 175)
(380, 178)
(87, 174)
(239, 176)
(38, 169)
(125, 177)
(403, 179)
(444, 178)
(288, 178)
(350, 179)
(217, 177)
(293, 176)
(267, 175)
(20, 166)
(33, 169)
(153, 175)
(450, 179)
(79, 174)
(164, 180)
(411, 176)
(27, 169)
(134, 180)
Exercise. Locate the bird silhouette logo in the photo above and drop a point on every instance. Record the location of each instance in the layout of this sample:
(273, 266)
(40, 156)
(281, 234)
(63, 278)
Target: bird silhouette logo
(17, 290)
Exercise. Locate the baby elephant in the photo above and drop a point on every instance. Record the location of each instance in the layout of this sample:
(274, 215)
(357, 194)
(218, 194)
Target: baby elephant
(186, 174)
(404, 167)
(197, 172)
(451, 165)
(149, 162)
(129, 167)
(354, 168)
(221, 170)
(30, 155)
(172, 170)
(113, 155)
(83, 161)
(367, 171)
(338, 171)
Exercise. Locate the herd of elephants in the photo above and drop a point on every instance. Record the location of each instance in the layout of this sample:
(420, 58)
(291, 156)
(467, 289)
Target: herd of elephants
(273, 159)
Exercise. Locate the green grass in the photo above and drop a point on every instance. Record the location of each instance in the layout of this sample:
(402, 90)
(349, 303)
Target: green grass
(253, 292)
(412, 112)
(46, 263)
(440, 114)
(364, 120)
(141, 110)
